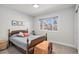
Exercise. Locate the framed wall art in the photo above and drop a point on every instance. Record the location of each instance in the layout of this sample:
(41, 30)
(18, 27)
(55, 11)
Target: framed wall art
(16, 23)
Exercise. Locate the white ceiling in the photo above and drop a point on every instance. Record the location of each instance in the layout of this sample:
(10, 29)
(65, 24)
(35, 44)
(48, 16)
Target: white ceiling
(43, 8)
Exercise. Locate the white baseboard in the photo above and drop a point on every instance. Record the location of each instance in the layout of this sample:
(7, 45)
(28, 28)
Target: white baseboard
(69, 45)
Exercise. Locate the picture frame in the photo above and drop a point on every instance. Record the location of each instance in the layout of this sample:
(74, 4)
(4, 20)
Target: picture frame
(16, 23)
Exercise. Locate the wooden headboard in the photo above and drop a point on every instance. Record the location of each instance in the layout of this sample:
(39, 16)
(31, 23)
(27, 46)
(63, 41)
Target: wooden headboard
(16, 31)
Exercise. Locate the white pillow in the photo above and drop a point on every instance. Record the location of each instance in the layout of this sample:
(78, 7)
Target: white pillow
(21, 34)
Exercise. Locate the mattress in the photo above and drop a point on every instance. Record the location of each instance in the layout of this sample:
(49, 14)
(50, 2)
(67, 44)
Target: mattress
(22, 41)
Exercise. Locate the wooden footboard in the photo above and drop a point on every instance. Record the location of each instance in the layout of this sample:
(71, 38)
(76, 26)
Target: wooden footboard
(34, 43)
(37, 41)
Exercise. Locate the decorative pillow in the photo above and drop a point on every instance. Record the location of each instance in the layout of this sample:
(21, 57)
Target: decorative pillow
(26, 34)
(20, 34)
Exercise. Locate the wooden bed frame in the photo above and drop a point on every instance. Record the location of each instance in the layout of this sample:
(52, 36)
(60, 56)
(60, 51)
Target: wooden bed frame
(29, 48)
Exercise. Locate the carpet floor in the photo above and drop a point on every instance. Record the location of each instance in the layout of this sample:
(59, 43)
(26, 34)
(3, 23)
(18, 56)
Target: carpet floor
(57, 49)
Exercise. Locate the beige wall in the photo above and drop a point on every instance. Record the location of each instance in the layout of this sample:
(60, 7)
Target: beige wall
(65, 33)
(78, 27)
(6, 15)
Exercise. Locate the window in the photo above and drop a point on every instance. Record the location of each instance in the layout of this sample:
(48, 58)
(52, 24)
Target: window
(49, 23)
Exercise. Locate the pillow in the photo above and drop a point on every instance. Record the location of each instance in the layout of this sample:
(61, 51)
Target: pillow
(26, 34)
(20, 34)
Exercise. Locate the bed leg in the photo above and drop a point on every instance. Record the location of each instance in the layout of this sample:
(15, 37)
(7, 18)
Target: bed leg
(27, 49)
(9, 43)
(46, 36)
(50, 48)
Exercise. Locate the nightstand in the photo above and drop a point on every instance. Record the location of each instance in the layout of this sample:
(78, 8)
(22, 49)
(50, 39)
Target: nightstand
(3, 44)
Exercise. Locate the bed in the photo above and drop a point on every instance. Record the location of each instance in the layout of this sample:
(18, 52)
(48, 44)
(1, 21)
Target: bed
(25, 44)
